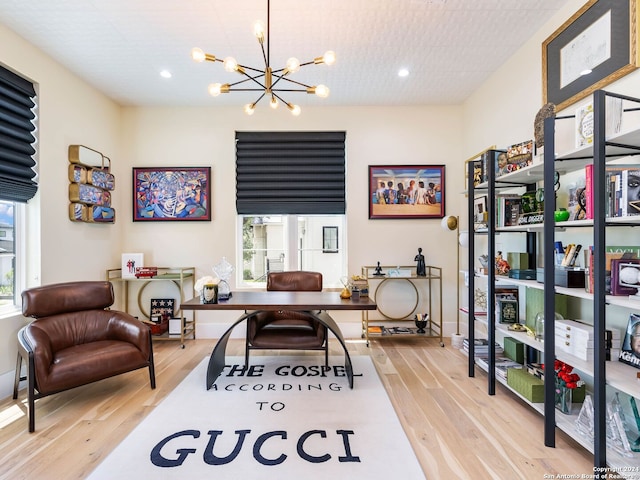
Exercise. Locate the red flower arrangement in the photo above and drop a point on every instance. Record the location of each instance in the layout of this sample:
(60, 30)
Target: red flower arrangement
(565, 377)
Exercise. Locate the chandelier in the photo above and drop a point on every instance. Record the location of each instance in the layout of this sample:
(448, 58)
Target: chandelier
(268, 81)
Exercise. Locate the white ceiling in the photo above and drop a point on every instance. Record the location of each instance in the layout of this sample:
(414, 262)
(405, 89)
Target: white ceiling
(120, 46)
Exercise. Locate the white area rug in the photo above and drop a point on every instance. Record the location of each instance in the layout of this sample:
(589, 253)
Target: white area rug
(284, 419)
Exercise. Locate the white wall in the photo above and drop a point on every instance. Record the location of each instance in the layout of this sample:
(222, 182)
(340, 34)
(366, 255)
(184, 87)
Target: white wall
(70, 112)
(375, 135)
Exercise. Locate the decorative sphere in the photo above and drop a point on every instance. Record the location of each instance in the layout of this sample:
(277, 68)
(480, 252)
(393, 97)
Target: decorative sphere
(630, 275)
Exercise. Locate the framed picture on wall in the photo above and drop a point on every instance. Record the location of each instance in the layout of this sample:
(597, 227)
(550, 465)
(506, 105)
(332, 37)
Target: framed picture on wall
(172, 194)
(595, 47)
(406, 191)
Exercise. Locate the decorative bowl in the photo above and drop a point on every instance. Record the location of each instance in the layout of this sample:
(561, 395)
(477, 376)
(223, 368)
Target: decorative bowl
(561, 215)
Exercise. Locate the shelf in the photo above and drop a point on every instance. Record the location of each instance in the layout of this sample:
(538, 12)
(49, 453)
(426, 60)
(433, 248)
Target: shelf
(433, 296)
(612, 374)
(175, 275)
(629, 137)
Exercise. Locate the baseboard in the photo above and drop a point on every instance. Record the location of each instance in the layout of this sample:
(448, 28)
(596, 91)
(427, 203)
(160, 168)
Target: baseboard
(6, 384)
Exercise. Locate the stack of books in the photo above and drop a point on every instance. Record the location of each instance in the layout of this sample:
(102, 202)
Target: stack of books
(502, 364)
(481, 347)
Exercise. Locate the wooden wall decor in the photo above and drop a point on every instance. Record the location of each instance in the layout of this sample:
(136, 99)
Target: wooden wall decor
(90, 187)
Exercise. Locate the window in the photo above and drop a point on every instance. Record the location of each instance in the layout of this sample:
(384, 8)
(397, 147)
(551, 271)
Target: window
(290, 198)
(272, 243)
(9, 236)
(18, 180)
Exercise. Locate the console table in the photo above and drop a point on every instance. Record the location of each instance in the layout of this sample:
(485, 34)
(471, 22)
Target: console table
(313, 303)
(180, 277)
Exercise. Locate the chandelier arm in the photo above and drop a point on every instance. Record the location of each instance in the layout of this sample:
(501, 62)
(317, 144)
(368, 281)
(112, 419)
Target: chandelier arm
(264, 55)
(259, 98)
(247, 79)
(301, 65)
(253, 69)
(278, 97)
(296, 82)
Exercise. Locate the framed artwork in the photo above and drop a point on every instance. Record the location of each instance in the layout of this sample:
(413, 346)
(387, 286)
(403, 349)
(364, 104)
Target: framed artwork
(329, 239)
(172, 194)
(131, 261)
(595, 47)
(480, 209)
(406, 191)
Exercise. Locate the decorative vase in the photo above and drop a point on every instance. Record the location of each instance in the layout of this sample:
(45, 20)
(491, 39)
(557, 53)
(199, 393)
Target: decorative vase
(422, 320)
(561, 215)
(564, 398)
(209, 294)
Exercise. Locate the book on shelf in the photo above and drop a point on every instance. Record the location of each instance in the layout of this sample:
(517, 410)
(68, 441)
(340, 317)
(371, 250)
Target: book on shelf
(622, 196)
(376, 330)
(630, 351)
(612, 252)
(576, 205)
(508, 209)
(584, 121)
(584, 125)
(501, 365)
(481, 347)
(479, 171)
(588, 191)
(400, 330)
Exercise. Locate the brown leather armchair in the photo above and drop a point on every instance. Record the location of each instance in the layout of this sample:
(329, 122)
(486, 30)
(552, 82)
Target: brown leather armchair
(75, 341)
(288, 330)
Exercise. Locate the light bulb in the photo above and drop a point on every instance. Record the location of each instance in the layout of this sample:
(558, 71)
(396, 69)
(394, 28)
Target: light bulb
(329, 57)
(215, 89)
(258, 30)
(274, 103)
(322, 91)
(295, 109)
(250, 108)
(230, 64)
(197, 54)
(293, 65)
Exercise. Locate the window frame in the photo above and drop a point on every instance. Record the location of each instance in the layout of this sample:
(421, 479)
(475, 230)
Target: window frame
(293, 252)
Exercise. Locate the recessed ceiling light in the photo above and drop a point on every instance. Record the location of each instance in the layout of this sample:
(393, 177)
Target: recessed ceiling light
(165, 74)
(586, 71)
(403, 72)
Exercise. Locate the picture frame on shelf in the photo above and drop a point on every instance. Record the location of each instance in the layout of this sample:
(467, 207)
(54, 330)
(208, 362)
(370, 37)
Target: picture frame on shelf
(480, 209)
(131, 261)
(161, 308)
(171, 194)
(595, 47)
(406, 191)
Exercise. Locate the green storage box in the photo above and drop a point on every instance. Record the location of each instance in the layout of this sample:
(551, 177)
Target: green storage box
(514, 349)
(518, 260)
(530, 387)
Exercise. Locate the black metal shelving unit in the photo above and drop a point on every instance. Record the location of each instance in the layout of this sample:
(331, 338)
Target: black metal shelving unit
(602, 151)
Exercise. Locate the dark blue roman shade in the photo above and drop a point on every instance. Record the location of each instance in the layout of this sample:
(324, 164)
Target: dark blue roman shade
(299, 173)
(17, 102)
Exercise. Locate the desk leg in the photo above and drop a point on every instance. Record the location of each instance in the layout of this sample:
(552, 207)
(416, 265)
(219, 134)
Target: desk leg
(325, 319)
(217, 359)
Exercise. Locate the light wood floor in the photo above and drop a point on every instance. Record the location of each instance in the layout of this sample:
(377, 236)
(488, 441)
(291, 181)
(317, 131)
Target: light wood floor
(456, 429)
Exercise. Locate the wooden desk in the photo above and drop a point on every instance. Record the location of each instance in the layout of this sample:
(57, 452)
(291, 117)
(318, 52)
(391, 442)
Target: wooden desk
(314, 303)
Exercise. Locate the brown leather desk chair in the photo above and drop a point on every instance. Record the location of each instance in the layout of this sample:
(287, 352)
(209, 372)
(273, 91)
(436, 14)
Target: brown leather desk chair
(288, 330)
(75, 341)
